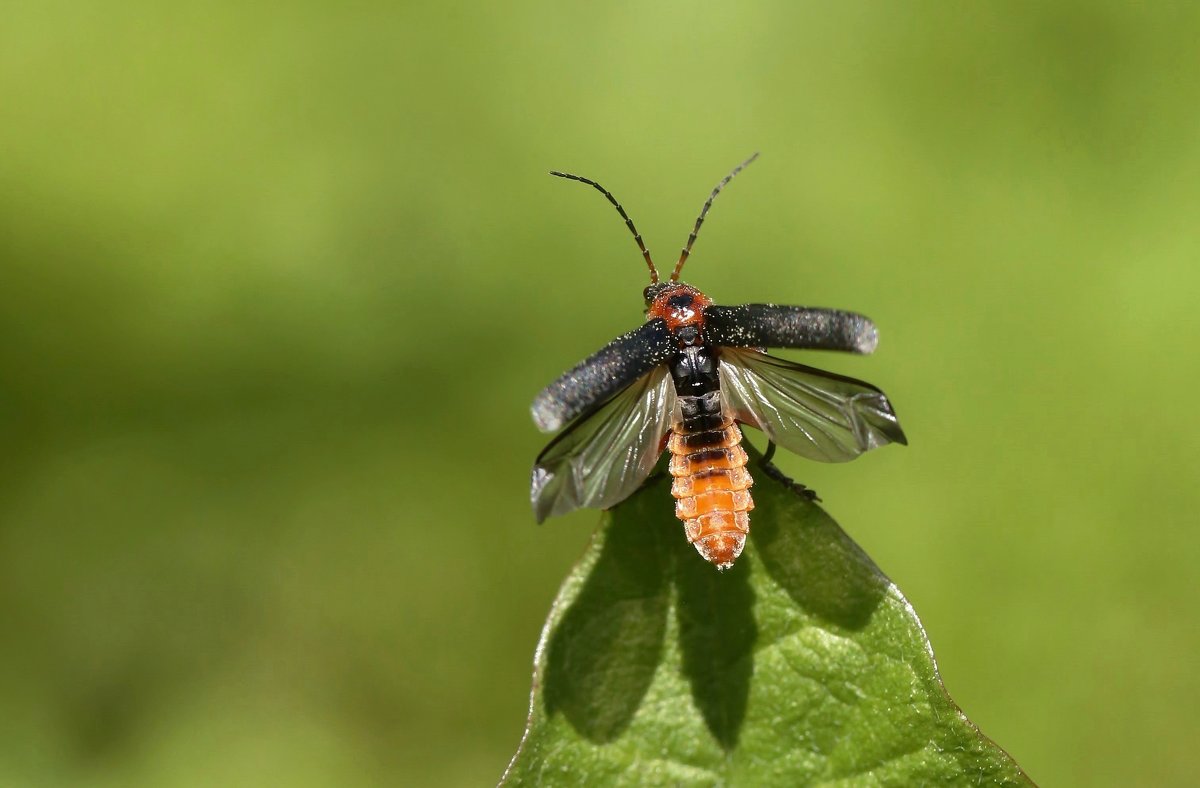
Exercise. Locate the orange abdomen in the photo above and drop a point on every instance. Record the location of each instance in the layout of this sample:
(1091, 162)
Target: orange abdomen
(712, 490)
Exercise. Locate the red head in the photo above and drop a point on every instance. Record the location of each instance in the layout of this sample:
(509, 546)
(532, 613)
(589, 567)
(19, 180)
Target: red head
(676, 303)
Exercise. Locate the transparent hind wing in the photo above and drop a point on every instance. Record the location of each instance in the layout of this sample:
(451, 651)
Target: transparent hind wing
(813, 413)
(604, 456)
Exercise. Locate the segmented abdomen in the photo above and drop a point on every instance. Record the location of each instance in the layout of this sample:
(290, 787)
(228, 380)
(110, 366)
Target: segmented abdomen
(711, 484)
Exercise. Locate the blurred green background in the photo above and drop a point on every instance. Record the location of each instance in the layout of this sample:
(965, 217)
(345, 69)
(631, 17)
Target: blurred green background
(278, 282)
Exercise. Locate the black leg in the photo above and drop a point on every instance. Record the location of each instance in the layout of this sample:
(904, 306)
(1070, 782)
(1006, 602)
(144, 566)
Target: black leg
(775, 473)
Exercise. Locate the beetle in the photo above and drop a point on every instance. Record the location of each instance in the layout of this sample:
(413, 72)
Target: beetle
(684, 381)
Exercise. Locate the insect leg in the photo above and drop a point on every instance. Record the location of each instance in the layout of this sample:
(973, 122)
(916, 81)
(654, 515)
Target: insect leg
(773, 471)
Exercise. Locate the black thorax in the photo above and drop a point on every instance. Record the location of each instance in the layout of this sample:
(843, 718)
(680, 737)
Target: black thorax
(698, 387)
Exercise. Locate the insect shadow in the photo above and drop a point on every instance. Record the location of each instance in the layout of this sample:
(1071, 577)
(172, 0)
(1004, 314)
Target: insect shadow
(604, 653)
(717, 634)
(605, 650)
(811, 558)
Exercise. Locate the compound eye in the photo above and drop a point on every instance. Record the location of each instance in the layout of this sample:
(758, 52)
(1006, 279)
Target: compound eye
(652, 292)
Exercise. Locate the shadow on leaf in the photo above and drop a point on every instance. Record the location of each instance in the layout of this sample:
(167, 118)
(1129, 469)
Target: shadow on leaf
(855, 697)
(716, 637)
(603, 655)
(811, 557)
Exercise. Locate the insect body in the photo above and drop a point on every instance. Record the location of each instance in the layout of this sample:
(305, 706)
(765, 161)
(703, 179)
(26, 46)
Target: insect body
(711, 484)
(683, 381)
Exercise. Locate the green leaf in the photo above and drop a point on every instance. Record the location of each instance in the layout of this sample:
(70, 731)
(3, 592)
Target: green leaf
(803, 664)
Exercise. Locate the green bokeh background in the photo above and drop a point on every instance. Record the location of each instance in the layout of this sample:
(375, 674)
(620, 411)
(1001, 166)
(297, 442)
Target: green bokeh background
(277, 284)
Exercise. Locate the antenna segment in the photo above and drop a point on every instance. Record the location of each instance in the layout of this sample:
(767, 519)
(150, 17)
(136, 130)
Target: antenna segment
(629, 222)
(687, 250)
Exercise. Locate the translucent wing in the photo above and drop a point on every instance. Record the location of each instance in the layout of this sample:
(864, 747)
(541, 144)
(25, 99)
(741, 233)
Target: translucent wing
(813, 413)
(602, 457)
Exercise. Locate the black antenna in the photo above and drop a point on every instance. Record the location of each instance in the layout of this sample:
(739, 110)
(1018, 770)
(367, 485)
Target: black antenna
(629, 222)
(687, 250)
